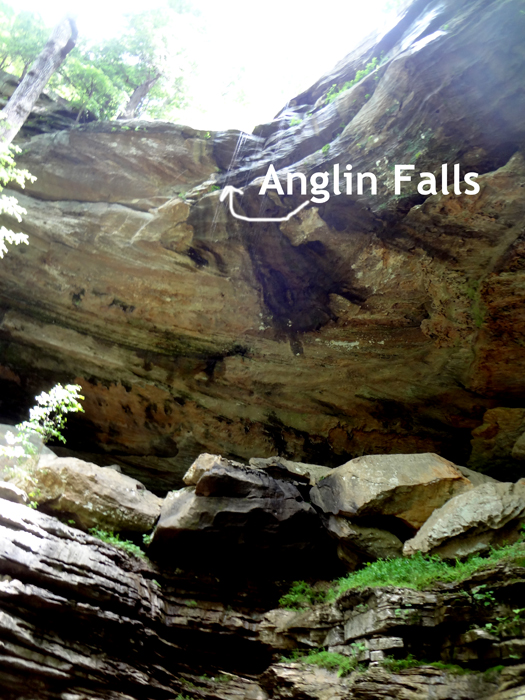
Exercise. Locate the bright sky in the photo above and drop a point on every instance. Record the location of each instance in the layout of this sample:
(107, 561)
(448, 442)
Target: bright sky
(281, 48)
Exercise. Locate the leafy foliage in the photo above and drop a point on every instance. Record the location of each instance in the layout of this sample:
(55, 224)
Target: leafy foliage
(301, 595)
(47, 419)
(143, 65)
(114, 539)
(9, 205)
(334, 92)
(22, 37)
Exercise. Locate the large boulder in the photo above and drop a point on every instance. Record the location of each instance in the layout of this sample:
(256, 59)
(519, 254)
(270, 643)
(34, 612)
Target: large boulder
(406, 487)
(488, 515)
(92, 496)
(239, 514)
(10, 492)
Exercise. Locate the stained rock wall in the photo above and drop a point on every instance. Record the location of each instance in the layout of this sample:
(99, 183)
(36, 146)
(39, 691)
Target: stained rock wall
(366, 324)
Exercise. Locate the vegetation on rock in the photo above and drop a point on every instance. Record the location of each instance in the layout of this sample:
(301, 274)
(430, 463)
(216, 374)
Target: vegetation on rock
(114, 539)
(9, 205)
(417, 572)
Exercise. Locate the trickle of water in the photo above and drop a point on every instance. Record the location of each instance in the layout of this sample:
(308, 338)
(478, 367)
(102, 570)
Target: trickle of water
(236, 154)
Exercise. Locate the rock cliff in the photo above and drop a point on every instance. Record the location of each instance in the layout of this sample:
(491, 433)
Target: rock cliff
(205, 617)
(365, 324)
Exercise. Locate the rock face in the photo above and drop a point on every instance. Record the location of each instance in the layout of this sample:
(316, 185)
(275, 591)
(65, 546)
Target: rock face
(500, 441)
(489, 515)
(82, 619)
(406, 487)
(89, 495)
(357, 543)
(365, 324)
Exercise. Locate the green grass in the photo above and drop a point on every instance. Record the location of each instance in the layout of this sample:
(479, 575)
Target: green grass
(423, 571)
(417, 572)
(340, 663)
(395, 665)
(114, 539)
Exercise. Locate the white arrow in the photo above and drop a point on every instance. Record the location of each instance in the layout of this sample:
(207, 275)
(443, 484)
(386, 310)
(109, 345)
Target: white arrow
(230, 189)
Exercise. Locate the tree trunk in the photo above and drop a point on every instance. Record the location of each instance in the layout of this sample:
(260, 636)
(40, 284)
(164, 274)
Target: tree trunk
(138, 96)
(22, 101)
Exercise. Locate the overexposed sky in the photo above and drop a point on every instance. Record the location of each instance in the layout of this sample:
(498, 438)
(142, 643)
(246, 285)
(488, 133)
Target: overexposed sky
(272, 50)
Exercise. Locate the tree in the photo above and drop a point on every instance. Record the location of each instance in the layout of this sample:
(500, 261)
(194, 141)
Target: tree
(22, 37)
(22, 101)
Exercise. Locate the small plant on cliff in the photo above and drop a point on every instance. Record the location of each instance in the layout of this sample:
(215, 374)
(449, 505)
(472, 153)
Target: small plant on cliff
(301, 595)
(330, 660)
(49, 416)
(334, 92)
(114, 539)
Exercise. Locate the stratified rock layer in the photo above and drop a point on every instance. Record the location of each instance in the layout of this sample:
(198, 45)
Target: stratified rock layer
(83, 620)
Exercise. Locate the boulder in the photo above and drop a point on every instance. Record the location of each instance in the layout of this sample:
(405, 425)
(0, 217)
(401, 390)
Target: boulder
(488, 515)
(357, 543)
(239, 514)
(518, 450)
(202, 464)
(243, 482)
(296, 471)
(476, 478)
(408, 487)
(10, 492)
(92, 496)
